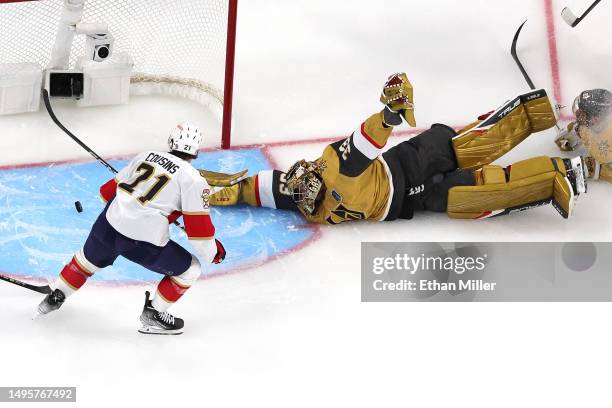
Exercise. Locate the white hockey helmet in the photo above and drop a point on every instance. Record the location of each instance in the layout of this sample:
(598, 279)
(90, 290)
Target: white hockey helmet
(186, 138)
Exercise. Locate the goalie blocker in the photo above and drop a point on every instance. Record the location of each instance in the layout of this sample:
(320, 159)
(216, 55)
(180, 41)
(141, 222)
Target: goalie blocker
(438, 170)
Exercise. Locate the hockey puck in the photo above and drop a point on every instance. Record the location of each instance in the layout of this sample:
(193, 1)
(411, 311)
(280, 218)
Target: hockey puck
(78, 206)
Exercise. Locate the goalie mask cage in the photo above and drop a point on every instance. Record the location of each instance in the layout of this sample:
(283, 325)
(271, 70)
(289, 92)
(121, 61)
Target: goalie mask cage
(179, 47)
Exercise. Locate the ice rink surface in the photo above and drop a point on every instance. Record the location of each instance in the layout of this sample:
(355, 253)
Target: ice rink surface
(292, 332)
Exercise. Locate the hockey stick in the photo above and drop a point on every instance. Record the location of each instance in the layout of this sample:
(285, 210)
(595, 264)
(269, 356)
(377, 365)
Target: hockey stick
(520, 64)
(45, 289)
(54, 118)
(516, 58)
(72, 136)
(571, 19)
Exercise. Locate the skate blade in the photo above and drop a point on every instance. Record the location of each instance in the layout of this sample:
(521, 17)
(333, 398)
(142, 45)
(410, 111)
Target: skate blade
(38, 314)
(158, 331)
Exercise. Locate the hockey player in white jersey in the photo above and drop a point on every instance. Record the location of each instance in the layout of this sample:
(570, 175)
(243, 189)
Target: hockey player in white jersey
(155, 189)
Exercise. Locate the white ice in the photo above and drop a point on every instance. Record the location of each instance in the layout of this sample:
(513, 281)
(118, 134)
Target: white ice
(293, 332)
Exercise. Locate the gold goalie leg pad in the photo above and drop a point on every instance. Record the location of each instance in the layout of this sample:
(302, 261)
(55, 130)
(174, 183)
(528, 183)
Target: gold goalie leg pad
(504, 129)
(498, 191)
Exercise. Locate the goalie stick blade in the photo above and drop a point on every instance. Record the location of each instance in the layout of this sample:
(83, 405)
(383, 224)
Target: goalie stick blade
(569, 17)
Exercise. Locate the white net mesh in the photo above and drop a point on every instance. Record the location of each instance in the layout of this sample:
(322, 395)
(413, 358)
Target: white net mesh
(176, 43)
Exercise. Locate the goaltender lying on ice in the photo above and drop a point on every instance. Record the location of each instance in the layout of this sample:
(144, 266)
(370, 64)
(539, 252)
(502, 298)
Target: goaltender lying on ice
(439, 170)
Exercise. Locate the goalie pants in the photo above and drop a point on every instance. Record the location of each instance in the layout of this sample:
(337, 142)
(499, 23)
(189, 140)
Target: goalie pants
(424, 168)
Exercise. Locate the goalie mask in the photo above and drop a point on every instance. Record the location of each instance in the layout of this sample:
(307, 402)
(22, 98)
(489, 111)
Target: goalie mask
(306, 185)
(592, 106)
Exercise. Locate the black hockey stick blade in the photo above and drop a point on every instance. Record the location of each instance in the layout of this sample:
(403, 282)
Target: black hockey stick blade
(516, 58)
(44, 289)
(59, 124)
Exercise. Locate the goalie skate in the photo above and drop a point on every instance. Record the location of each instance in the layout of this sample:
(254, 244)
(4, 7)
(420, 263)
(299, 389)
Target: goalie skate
(155, 322)
(576, 175)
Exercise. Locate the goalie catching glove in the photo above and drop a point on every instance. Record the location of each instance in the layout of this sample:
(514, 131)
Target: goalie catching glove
(397, 96)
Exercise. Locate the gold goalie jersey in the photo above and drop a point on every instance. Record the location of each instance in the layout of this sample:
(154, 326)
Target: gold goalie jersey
(359, 184)
(599, 145)
(598, 142)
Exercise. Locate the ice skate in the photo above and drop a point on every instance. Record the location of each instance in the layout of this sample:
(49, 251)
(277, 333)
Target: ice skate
(50, 303)
(577, 173)
(155, 322)
(568, 188)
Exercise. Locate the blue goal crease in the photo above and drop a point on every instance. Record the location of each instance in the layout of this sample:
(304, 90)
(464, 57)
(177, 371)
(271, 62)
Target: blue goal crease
(40, 228)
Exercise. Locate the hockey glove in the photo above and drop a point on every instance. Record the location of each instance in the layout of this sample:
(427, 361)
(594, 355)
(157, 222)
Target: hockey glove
(220, 253)
(397, 96)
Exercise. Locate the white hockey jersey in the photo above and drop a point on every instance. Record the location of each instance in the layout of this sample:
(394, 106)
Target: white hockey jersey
(153, 188)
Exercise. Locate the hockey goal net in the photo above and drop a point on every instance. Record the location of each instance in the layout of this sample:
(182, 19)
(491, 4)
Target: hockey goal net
(183, 48)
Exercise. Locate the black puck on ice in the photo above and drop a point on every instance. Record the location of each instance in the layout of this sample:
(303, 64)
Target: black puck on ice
(78, 206)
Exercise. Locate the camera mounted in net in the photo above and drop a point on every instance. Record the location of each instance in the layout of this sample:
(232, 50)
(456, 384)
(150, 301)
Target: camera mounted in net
(98, 42)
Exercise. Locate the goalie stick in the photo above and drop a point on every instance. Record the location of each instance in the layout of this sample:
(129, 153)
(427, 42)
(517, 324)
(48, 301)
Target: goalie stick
(571, 19)
(516, 58)
(54, 118)
(520, 64)
(44, 289)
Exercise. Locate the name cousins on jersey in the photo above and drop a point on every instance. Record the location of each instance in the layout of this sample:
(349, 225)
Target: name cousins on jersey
(164, 162)
(428, 285)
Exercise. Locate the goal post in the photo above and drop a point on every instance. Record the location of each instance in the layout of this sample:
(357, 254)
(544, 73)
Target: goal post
(182, 48)
(230, 53)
